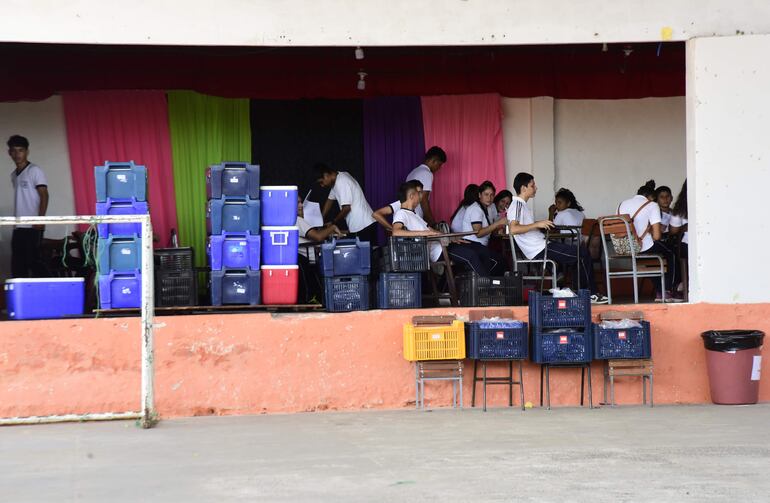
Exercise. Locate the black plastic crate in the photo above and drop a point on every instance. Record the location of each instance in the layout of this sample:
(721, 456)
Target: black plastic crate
(174, 259)
(496, 340)
(346, 293)
(399, 290)
(561, 345)
(547, 311)
(176, 289)
(618, 343)
(480, 291)
(405, 254)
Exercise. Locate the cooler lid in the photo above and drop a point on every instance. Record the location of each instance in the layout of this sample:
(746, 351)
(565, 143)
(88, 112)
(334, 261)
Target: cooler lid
(45, 280)
(280, 228)
(276, 267)
(277, 187)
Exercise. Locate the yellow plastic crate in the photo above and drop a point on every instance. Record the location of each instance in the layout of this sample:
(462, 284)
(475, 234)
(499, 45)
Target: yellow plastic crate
(445, 342)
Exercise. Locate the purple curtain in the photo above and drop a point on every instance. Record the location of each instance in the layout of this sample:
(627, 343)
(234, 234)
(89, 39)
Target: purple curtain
(394, 143)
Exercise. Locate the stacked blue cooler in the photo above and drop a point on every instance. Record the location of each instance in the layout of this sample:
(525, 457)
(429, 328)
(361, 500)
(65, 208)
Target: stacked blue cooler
(121, 189)
(233, 221)
(345, 265)
(280, 244)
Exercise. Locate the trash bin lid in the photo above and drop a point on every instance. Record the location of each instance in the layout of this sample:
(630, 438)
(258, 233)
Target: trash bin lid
(732, 340)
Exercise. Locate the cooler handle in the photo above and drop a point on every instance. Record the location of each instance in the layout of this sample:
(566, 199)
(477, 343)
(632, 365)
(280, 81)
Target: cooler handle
(283, 238)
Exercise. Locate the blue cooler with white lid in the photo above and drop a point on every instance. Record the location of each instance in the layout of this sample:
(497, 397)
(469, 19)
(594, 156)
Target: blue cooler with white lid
(279, 204)
(280, 245)
(41, 298)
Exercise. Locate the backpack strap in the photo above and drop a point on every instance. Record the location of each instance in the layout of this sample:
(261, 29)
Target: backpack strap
(649, 227)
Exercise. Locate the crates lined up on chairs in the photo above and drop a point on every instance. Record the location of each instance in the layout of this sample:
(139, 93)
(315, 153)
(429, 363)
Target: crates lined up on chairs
(497, 340)
(480, 291)
(345, 265)
(628, 342)
(176, 282)
(434, 338)
(121, 189)
(560, 328)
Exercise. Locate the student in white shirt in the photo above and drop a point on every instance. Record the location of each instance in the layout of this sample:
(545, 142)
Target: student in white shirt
(406, 222)
(476, 219)
(381, 215)
(529, 237)
(470, 196)
(30, 190)
(664, 198)
(353, 206)
(645, 213)
(501, 202)
(435, 157)
(566, 210)
(679, 223)
(310, 286)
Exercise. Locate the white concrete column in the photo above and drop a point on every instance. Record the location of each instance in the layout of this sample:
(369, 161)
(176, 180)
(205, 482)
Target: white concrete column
(728, 168)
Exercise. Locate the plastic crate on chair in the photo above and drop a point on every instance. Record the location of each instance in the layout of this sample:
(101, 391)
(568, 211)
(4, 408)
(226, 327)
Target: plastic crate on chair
(562, 345)
(547, 311)
(497, 340)
(619, 343)
(439, 342)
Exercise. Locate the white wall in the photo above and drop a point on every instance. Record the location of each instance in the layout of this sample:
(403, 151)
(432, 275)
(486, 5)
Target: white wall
(42, 122)
(606, 149)
(728, 158)
(369, 22)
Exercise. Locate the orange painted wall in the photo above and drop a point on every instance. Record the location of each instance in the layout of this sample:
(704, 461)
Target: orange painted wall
(257, 363)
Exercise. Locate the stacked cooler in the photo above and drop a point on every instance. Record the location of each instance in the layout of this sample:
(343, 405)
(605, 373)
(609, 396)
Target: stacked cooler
(345, 265)
(280, 245)
(121, 189)
(560, 328)
(233, 222)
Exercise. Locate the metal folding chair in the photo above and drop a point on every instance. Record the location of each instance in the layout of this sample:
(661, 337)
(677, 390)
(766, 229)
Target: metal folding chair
(525, 262)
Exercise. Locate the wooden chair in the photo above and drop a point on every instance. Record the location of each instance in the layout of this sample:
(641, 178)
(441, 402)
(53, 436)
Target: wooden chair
(632, 265)
(624, 368)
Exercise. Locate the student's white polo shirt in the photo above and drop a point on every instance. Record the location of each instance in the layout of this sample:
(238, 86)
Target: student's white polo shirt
(413, 222)
(475, 214)
(530, 243)
(346, 191)
(649, 215)
(425, 176)
(26, 198)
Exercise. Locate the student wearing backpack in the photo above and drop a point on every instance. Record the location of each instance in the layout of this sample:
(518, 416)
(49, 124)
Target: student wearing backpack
(645, 214)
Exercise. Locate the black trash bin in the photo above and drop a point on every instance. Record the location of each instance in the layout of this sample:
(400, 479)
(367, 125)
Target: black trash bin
(734, 361)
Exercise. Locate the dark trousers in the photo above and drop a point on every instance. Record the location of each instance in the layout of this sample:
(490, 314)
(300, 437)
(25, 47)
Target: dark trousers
(669, 255)
(25, 254)
(477, 258)
(309, 281)
(368, 234)
(566, 254)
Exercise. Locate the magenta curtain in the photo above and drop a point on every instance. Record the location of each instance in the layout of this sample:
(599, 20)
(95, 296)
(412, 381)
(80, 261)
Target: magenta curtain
(122, 126)
(468, 128)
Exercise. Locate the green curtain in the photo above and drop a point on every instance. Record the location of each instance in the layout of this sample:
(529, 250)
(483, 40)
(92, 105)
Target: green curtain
(205, 130)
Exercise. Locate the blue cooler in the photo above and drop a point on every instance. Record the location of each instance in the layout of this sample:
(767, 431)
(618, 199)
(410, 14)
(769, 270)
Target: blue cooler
(121, 207)
(233, 214)
(232, 179)
(234, 250)
(279, 205)
(119, 253)
(345, 257)
(39, 298)
(280, 245)
(120, 290)
(230, 286)
(120, 180)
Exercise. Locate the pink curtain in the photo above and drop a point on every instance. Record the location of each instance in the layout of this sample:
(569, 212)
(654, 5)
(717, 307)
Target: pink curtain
(122, 126)
(468, 128)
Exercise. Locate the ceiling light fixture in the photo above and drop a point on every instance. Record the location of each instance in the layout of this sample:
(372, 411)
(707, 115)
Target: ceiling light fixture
(359, 53)
(361, 82)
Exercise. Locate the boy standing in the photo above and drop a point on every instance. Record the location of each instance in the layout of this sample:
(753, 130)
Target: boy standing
(30, 199)
(435, 157)
(353, 206)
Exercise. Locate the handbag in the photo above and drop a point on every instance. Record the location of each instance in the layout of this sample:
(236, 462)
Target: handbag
(623, 243)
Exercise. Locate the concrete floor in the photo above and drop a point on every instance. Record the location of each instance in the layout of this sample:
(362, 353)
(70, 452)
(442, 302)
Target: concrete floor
(685, 453)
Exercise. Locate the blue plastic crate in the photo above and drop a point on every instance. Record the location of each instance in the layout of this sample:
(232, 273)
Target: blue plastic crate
(497, 340)
(234, 250)
(233, 214)
(346, 293)
(345, 257)
(119, 253)
(397, 290)
(40, 298)
(235, 286)
(279, 205)
(120, 290)
(618, 343)
(121, 207)
(232, 179)
(562, 345)
(280, 245)
(120, 180)
(545, 311)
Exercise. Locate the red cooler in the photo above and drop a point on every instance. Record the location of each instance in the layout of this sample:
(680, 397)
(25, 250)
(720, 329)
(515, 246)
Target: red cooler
(279, 284)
